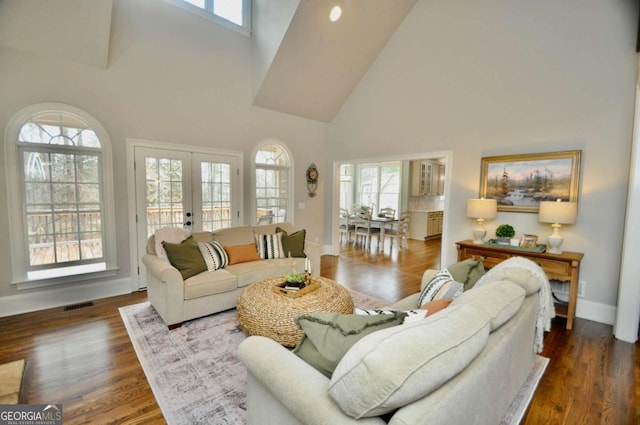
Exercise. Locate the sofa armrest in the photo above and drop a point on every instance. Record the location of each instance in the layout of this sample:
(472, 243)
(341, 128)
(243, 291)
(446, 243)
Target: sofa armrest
(297, 386)
(164, 286)
(314, 252)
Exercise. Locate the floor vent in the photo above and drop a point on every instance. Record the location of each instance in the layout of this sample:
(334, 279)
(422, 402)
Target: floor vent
(77, 306)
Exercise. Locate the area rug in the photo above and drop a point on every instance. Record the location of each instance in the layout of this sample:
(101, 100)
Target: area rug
(11, 381)
(197, 377)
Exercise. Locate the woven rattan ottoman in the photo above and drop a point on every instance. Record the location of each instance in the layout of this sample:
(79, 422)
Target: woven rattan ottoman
(263, 312)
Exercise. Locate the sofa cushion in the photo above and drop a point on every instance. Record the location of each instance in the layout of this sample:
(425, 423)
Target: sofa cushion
(328, 336)
(467, 271)
(293, 243)
(443, 285)
(209, 283)
(375, 376)
(522, 276)
(500, 300)
(214, 255)
(253, 271)
(240, 235)
(242, 253)
(167, 234)
(270, 246)
(185, 256)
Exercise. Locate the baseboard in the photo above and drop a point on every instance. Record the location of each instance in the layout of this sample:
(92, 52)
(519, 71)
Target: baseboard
(597, 312)
(42, 300)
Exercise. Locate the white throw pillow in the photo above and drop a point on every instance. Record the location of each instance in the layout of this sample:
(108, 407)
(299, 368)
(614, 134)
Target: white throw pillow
(412, 315)
(270, 246)
(214, 255)
(442, 285)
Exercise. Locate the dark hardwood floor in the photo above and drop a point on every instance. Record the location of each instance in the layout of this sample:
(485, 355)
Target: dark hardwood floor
(83, 358)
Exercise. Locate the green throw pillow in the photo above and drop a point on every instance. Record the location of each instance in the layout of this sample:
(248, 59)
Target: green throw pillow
(186, 257)
(328, 336)
(293, 243)
(468, 271)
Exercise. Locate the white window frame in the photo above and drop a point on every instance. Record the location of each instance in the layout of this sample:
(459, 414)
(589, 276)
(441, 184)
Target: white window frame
(291, 183)
(376, 201)
(15, 198)
(208, 13)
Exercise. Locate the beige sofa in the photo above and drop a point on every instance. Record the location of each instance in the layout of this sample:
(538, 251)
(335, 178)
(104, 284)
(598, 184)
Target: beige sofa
(461, 365)
(178, 300)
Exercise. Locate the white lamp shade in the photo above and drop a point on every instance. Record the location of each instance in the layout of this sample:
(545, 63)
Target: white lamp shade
(482, 208)
(558, 212)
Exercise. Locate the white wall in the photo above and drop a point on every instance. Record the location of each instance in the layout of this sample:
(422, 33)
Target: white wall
(495, 77)
(171, 77)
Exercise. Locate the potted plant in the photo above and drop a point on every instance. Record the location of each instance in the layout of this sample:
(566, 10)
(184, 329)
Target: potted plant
(504, 233)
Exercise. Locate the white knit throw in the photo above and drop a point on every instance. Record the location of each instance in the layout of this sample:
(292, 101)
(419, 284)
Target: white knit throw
(546, 310)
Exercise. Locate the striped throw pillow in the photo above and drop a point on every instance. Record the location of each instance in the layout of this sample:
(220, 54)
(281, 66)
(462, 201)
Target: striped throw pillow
(443, 285)
(215, 257)
(270, 246)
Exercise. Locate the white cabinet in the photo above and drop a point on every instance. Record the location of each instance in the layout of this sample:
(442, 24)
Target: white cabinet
(434, 223)
(427, 178)
(424, 225)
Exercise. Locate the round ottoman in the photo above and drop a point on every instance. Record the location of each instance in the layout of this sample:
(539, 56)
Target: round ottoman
(263, 312)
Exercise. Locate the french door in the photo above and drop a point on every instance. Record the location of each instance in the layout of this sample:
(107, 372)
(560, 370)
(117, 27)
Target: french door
(192, 190)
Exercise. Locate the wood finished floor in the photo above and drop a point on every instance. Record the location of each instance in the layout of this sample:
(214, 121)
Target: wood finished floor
(84, 359)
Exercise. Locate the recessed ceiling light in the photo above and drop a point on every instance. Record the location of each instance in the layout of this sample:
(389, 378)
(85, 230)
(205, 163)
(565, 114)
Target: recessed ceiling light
(335, 14)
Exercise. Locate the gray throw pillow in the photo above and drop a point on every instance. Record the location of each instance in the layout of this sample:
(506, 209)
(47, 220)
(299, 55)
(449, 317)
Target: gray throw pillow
(328, 336)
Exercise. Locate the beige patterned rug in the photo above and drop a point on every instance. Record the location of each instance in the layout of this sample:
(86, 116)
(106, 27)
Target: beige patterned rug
(197, 378)
(11, 381)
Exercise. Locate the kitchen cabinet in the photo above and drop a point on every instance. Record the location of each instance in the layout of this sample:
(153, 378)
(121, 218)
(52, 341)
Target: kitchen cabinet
(425, 224)
(427, 178)
(434, 223)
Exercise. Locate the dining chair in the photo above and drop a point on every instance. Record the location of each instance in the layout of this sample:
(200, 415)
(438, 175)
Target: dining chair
(364, 230)
(399, 231)
(347, 227)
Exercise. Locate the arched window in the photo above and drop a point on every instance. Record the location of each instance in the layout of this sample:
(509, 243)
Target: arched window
(273, 183)
(61, 198)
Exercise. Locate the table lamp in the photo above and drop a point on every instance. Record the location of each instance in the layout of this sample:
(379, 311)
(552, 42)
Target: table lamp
(558, 213)
(481, 209)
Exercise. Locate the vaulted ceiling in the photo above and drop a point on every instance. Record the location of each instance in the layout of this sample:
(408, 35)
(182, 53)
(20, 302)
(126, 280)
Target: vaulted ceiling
(303, 63)
(308, 66)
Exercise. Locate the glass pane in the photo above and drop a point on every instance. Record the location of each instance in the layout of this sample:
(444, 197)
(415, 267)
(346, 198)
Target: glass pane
(63, 167)
(91, 246)
(88, 193)
(90, 219)
(230, 10)
(87, 168)
(58, 128)
(37, 193)
(198, 3)
(151, 168)
(36, 166)
(64, 192)
(41, 250)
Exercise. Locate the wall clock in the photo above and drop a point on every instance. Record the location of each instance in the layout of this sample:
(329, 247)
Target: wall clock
(312, 179)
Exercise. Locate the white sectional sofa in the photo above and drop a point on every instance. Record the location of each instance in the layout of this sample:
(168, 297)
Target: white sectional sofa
(461, 365)
(177, 299)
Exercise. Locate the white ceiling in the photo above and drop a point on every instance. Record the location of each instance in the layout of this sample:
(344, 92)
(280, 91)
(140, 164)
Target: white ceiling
(78, 30)
(318, 63)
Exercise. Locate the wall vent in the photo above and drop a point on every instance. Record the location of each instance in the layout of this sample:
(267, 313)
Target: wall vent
(77, 306)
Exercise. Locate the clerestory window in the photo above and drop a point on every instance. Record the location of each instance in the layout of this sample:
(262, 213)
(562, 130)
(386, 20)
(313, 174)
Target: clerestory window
(235, 14)
(61, 214)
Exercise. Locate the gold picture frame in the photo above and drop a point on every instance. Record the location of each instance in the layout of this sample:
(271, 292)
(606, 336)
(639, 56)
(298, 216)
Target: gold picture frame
(520, 182)
(529, 241)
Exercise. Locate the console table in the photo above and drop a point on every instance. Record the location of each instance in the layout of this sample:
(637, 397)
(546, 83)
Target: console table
(564, 267)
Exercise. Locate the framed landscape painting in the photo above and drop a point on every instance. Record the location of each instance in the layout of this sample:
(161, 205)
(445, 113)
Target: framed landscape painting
(520, 182)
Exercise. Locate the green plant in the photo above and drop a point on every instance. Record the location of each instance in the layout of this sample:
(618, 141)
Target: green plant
(294, 277)
(505, 231)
